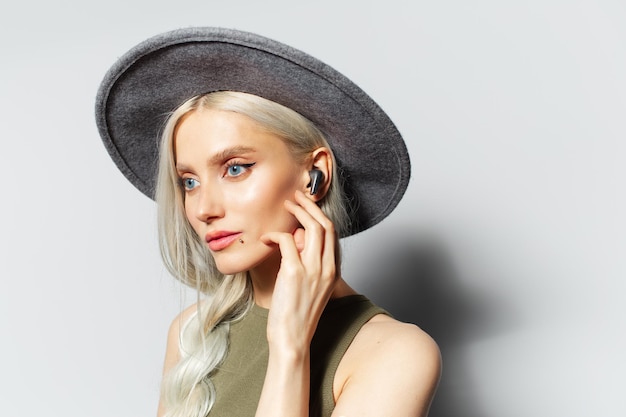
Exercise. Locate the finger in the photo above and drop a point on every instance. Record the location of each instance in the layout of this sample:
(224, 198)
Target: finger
(316, 212)
(311, 207)
(313, 234)
(298, 237)
(320, 252)
(286, 244)
(330, 238)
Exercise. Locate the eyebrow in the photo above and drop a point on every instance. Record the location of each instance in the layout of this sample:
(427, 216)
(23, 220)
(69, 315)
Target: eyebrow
(222, 156)
(228, 153)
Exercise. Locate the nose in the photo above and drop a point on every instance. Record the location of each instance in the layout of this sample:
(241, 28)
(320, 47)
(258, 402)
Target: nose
(208, 204)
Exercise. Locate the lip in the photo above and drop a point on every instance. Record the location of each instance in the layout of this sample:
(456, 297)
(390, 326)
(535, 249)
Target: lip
(221, 239)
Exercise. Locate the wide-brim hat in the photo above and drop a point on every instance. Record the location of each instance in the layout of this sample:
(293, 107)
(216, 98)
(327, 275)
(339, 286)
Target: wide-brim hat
(152, 79)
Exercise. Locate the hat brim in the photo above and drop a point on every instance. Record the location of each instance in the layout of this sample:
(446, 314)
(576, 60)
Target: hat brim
(151, 80)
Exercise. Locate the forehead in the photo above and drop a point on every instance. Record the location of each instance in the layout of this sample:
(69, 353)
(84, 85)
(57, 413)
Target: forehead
(210, 132)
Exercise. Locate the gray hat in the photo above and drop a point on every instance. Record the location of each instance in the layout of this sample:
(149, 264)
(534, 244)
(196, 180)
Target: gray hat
(150, 81)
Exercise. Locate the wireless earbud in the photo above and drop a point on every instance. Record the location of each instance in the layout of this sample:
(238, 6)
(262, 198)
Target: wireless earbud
(317, 178)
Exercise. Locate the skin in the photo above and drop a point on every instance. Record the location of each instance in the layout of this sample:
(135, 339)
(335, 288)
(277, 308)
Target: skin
(240, 178)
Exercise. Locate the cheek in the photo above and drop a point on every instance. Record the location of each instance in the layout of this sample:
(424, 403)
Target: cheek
(259, 198)
(190, 214)
(268, 188)
(264, 199)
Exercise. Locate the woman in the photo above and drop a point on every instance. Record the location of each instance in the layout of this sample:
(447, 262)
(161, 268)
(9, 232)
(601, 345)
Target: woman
(251, 208)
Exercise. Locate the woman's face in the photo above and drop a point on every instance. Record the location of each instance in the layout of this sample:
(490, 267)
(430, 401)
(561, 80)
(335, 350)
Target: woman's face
(235, 177)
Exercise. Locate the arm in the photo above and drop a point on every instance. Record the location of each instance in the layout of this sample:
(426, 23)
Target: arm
(391, 369)
(305, 281)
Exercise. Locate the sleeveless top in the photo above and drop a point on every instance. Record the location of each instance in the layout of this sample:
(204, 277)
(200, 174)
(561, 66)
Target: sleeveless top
(239, 379)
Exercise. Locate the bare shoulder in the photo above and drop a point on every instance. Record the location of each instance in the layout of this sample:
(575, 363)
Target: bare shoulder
(182, 318)
(172, 353)
(403, 345)
(172, 350)
(397, 363)
(396, 337)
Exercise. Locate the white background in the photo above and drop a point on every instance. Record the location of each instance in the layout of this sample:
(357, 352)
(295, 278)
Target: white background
(508, 246)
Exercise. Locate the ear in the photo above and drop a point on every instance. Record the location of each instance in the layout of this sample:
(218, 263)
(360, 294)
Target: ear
(321, 160)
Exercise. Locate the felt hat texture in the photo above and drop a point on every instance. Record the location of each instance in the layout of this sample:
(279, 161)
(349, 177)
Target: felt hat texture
(152, 79)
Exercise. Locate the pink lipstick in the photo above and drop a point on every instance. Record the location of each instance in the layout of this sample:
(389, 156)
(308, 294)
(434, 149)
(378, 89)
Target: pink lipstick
(221, 239)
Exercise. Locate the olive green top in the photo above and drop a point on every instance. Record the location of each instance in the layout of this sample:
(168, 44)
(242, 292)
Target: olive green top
(239, 380)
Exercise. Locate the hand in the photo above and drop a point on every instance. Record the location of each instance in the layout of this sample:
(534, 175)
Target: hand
(306, 278)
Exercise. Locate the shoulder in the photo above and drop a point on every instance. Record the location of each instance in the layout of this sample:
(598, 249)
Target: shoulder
(172, 353)
(181, 319)
(387, 360)
(394, 336)
(172, 350)
(402, 345)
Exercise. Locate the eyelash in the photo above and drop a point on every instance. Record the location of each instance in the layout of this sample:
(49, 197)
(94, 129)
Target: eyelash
(182, 184)
(229, 165)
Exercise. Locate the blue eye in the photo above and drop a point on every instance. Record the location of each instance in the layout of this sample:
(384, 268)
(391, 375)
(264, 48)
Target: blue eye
(189, 183)
(235, 170)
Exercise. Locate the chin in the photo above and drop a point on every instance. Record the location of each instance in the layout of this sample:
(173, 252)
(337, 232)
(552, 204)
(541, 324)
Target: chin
(241, 261)
(230, 267)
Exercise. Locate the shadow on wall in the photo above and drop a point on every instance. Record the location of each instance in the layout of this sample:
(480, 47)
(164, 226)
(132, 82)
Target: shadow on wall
(416, 282)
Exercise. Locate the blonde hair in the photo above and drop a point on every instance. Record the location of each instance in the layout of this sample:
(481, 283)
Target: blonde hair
(187, 389)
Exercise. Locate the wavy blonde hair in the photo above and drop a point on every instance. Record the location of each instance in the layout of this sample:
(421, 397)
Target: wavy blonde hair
(187, 390)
